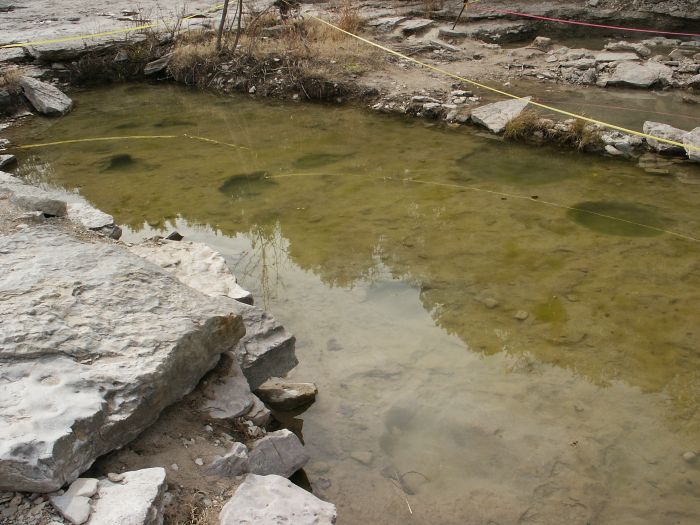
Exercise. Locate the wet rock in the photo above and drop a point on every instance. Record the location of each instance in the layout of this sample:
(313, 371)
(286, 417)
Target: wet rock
(45, 98)
(271, 500)
(137, 500)
(234, 463)
(7, 160)
(416, 26)
(281, 395)
(692, 142)
(496, 116)
(77, 390)
(76, 509)
(196, 265)
(693, 82)
(664, 131)
(157, 65)
(640, 49)
(279, 453)
(521, 315)
(644, 75)
(174, 236)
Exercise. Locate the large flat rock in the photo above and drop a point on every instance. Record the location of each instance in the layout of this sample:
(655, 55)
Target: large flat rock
(496, 116)
(273, 500)
(649, 74)
(46, 99)
(95, 342)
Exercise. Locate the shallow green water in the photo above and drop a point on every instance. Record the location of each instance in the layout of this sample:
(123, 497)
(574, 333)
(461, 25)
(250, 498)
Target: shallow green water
(403, 256)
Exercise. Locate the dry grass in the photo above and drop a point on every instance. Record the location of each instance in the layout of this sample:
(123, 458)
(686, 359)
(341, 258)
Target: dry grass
(581, 136)
(524, 126)
(193, 61)
(9, 80)
(349, 18)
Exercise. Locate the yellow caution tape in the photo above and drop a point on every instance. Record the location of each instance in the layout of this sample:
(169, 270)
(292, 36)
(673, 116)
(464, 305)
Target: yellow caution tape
(506, 94)
(127, 137)
(105, 33)
(508, 195)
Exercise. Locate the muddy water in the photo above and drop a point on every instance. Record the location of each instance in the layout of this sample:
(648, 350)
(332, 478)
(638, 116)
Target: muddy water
(484, 354)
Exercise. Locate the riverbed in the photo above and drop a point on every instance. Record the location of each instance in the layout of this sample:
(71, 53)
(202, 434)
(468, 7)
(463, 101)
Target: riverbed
(499, 333)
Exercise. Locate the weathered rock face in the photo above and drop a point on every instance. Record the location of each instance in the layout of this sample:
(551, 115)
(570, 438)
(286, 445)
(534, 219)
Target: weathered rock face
(644, 75)
(496, 116)
(692, 139)
(282, 395)
(228, 396)
(664, 131)
(196, 265)
(641, 50)
(271, 500)
(45, 98)
(279, 453)
(136, 500)
(234, 463)
(267, 349)
(95, 343)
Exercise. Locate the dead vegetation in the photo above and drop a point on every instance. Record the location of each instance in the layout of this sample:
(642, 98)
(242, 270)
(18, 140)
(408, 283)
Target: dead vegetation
(530, 127)
(9, 80)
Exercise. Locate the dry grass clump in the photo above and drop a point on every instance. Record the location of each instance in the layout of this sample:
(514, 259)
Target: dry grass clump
(9, 80)
(350, 19)
(581, 135)
(191, 62)
(524, 126)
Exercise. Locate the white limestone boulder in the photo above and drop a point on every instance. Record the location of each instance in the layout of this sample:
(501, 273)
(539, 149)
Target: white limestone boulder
(273, 500)
(136, 500)
(95, 343)
(496, 116)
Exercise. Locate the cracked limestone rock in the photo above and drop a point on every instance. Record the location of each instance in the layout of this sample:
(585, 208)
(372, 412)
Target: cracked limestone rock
(664, 131)
(95, 343)
(279, 453)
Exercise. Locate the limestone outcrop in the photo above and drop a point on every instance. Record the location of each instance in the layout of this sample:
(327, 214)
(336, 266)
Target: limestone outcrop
(96, 341)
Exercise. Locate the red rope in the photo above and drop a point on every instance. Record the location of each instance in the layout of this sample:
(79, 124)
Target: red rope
(587, 24)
